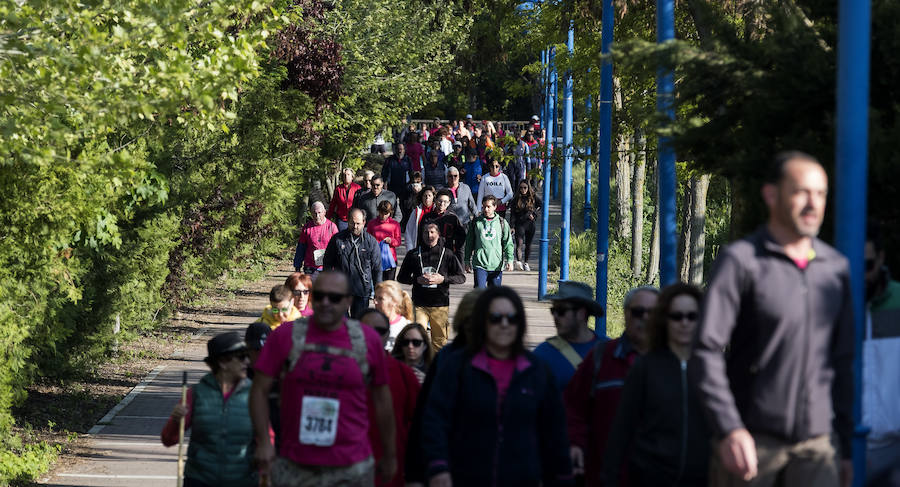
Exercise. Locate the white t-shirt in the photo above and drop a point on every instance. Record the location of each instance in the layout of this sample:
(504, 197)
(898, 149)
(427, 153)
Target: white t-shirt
(498, 185)
(395, 329)
(446, 146)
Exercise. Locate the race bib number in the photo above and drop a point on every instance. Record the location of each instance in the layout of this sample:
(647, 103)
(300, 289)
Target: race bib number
(319, 257)
(319, 421)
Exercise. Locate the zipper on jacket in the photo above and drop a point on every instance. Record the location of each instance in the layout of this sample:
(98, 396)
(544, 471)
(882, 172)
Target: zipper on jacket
(682, 456)
(803, 393)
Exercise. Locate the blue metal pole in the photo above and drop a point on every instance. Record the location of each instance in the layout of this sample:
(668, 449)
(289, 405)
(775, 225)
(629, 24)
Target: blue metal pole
(587, 163)
(665, 89)
(604, 157)
(568, 154)
(544, 258)
(554, 172)
(851, 146)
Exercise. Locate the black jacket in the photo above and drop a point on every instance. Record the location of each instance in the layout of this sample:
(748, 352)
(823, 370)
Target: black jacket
(447, 266)
(453, 233)
(789, 332)
(361, 261)
(659, 426)
(520, 442)
(519, 216)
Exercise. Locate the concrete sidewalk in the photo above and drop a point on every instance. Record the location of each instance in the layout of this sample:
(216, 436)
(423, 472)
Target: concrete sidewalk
(125, 448)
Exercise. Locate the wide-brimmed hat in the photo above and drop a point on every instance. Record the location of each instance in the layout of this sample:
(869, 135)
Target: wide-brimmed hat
(577, 292)
(224, 343)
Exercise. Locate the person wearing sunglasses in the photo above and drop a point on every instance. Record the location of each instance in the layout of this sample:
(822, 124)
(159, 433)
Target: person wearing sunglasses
(413, 348)
(300, 285)
(404, 391)
(593, 394)
(494, 415)
(329, 364)
(659, 435)
(216, 412)
(462, 202)
(881, 358)
(281, 307)
(571, 307)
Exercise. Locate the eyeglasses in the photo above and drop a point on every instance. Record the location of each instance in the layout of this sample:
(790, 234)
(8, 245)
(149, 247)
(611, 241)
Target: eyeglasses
(561, 310)
(300, 292)
(679, 316)
(443, 202)
(405, 342)
(333, 297)
(281, 310)
(639, 312)
(497, 318)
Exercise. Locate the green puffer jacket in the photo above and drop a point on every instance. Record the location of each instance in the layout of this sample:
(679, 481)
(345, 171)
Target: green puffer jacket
(221, 448)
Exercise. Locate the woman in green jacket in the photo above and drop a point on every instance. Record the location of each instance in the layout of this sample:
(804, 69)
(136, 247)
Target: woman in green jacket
(220, 450)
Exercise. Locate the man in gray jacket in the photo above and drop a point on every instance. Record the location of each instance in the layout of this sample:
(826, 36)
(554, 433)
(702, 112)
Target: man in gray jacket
(369, 201)
(463, 203)
(774, 346)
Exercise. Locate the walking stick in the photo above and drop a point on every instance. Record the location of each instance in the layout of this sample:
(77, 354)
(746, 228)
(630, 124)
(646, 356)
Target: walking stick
(181, 431)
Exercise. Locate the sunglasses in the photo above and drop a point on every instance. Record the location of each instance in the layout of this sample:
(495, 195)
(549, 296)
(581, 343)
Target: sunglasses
(639, 312)
(333, 297)
(561, 310)
(679, 316)
(497, 318)
(405, 342)
(240, 355)
(301, 292)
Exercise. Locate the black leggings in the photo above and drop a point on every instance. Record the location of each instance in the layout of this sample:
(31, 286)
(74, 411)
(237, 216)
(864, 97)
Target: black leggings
(524, 236)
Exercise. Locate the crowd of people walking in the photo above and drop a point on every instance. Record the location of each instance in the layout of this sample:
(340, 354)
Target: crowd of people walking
(747, 383)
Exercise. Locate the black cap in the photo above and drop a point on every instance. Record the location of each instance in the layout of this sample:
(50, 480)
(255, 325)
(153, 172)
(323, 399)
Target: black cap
(256, 335)
(224, 343)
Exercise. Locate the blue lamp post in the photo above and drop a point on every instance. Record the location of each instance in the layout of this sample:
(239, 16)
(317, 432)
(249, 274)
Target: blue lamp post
(544, 258)
(587, 163)
(568, 153)
(851, 149)
(665, 89)
(604, 156)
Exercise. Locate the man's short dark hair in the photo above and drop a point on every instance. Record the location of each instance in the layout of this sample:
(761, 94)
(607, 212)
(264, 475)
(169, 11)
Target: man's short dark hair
(280, 293)
(378, 177)
(430, 224)
(444, 192)
(489, 197)
(356, 210)
(775, 171)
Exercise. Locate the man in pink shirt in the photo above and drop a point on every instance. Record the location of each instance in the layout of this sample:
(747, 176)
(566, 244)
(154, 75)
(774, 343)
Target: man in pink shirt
(329, 364)
(314, 238)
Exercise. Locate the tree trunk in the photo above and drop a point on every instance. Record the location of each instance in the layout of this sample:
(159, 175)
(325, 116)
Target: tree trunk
(684, 243)
(637, 208)
(623, 172)
(653, 265)
(699, 190)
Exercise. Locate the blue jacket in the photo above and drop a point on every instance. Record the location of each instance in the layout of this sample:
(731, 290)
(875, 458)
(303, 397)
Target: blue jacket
(522, 442)
(473, 170)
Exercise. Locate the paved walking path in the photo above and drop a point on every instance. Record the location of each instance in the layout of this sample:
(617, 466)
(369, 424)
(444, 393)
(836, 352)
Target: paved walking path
(124, 447)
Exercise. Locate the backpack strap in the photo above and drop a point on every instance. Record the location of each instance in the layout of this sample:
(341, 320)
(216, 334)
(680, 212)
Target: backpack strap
(358, 349)
(599, 348)
(565, 348)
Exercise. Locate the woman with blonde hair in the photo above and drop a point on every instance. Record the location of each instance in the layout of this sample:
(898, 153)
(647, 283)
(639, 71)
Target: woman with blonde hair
(396, 304)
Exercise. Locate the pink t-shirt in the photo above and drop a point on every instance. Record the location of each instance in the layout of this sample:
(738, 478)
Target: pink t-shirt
(502, 370)
(316, 237)
(328, 376)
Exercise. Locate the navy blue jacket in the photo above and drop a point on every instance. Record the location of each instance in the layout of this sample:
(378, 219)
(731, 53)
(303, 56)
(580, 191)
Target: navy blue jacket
(523, 442)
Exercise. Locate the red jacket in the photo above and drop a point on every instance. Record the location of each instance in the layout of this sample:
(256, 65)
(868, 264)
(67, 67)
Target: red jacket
(590, 418)
(341, 201)
(404, 390)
